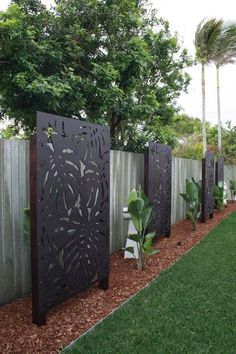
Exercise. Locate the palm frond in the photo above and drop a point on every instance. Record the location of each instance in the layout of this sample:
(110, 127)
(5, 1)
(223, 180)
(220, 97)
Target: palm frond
(206, 37)
(226, 46)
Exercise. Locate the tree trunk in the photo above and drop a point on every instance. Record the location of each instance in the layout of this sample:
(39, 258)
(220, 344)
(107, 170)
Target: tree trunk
(115, 128)
(140, 262)
(218, 109)
(204, 111)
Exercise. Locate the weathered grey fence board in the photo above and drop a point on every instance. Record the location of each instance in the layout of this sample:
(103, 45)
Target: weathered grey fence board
(7, 239)
(229, 173)
(14, 249)
(181, 170)
(24, 196)
(126, 172)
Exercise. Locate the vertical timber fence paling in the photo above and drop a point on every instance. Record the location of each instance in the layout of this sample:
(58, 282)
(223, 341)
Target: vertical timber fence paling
(14, 246)
(38, 317)
(127, 171)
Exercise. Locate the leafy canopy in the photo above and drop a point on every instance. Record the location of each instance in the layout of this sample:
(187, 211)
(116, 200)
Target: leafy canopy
(112, 62)
(188, 132)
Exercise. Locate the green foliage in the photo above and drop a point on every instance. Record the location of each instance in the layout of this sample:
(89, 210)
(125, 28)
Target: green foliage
(12, 131)
(155, 132)
(7, 133)
(188, 309)
(141, 213)
(188, 132)
(109, 62)
(184, 125)
(229, 144)
(192, 196)
(206, 39)
(232, 187)
(189, 148)
(219, 195)
(215, 42)
(225, 52)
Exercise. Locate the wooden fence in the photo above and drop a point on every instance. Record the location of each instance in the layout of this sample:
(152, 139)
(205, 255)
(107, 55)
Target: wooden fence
(14, 196)
(126, 172)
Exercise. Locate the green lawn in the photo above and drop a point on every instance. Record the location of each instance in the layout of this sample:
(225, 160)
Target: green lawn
(189, 309)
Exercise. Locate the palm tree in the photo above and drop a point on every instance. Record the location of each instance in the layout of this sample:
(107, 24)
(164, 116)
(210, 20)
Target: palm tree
(206, 37)
(225, 54)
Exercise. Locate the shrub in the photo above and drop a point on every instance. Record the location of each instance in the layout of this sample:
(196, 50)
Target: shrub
(219, 195)
(141, 214)
(192, 196)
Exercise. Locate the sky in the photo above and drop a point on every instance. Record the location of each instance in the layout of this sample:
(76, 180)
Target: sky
(184, 16)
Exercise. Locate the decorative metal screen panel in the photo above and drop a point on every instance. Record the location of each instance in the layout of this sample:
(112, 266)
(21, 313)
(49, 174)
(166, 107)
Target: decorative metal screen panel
(220, 170)
(208, 182)
(69, 209)
(158, 186)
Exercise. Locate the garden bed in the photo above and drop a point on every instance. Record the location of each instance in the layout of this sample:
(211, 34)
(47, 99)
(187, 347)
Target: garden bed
(68, 321)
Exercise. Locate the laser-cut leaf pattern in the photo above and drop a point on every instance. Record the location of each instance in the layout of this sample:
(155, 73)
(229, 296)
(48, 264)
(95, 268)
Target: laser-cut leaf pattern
(209, 176)
(72, 206)
(219, 170)
(158, 186)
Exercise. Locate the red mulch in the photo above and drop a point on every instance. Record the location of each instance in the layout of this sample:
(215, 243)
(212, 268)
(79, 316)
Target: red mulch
(69, 320)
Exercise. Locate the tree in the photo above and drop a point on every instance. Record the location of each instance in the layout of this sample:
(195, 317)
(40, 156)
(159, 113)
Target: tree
(225, 54)
(188, 133)
(110, 62)
(206, 37)
(229, 143)
(24, 42)
(183, 125)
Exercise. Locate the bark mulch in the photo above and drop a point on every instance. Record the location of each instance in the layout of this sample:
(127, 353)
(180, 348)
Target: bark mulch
(69, 320)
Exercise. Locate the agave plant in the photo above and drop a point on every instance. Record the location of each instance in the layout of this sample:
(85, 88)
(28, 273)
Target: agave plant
(219, 195)
(192, 196)
(141, 214)
(232, 187)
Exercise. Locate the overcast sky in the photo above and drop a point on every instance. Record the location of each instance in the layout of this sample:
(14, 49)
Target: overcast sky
(184, 16)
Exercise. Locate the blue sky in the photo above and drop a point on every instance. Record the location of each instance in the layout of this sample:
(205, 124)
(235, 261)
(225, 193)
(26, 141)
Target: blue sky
(184, 15)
